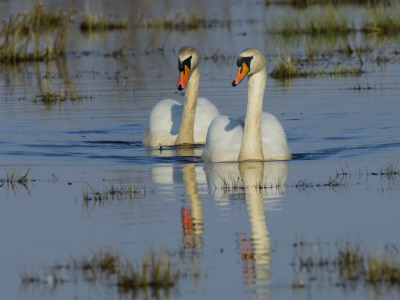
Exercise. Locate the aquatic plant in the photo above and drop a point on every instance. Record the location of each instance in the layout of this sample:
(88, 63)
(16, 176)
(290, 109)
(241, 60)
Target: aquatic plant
(352, 262)
(51, 96)
(303, 3)
(98, 22)
(232, 185)
(382, 19)
(20, 36)
(284, 68)
(315, 20)
(339, 180)
(15, 179)
(112, 192)
(18, 178)
(157, 271)
(187, 22)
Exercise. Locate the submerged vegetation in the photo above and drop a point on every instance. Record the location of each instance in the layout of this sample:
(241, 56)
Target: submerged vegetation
(20, 36)
(351, 263)
(98, 22)
(113, 192)
(304, 3)
(380, 17)
(316, 20)
(16, 179)
(285, 68)
(185, 23)
(156, 271)
(51, 96)
(382, 20)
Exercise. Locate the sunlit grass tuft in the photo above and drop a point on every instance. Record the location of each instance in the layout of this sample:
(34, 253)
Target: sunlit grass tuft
(285, 68)
(382, 19)
(305, 3)
(157, 271)
(21, 36)
(353, 263)
(113, 192)
(51, 96)
(315, 20)
(98, 22)
(187, 22)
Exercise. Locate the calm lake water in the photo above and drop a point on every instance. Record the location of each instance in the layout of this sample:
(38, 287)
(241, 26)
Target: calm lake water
(240, 240)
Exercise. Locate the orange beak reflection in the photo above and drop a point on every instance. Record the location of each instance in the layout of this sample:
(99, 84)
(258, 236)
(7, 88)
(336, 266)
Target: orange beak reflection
(241, 73)
(183, 78)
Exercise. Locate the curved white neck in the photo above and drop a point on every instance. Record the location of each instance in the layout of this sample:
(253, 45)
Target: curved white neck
(251, 148)
(185, 135)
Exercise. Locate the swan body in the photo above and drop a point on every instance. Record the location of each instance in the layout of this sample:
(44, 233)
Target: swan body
(165, 120)
(170, 122)
(259, 136)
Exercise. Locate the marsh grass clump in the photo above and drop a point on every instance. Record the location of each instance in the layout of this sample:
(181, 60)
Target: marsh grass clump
(92, 22)
(382, 19)
(232, 185)
(20, 36)
(317, 20)
(51, 96)
(305, 3)
(285, 68)
(339, 180)
(352, 263)
(383, 269)
(391, 169)
(390, 172)
(157, 271)
(187, 22)
(113, 192)
(15, 179)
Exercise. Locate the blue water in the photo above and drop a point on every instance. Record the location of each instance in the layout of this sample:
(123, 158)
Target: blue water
(242, 239)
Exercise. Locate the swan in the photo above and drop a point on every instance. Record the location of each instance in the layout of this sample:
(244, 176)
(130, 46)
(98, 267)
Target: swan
(170, 122)
(262, 137)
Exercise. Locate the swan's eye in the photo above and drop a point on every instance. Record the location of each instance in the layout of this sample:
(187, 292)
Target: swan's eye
(244, 60)
(187, 62)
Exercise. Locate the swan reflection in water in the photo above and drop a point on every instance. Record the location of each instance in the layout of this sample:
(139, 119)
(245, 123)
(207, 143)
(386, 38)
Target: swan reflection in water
(191, 215)
(258, 181)
(261, 183)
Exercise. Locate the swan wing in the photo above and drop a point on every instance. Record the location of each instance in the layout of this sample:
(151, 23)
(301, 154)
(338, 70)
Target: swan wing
(224, 138)
(163, 124)
(273, 138)
(205, 113)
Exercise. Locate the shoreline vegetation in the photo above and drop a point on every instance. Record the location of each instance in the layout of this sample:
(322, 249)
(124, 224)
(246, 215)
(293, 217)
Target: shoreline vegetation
(39, 35)
(377, 18)
(353, 264)
(286, 69)
(157, 271)
(21, 36)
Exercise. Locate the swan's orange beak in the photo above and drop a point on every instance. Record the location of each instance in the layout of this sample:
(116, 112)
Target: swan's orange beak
(183, 78)
(241, 73)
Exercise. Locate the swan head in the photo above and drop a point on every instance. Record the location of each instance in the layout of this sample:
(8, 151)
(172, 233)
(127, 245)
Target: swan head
(250, 61)
(188, 60)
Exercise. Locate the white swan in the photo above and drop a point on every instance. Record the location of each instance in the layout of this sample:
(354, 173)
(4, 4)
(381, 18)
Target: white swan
(170, 122)
(263, 137)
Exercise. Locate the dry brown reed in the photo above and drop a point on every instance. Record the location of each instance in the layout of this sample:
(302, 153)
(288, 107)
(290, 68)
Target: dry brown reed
(20, 36)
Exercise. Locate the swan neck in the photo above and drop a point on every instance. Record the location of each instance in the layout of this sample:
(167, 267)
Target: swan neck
(251, 147)
(185, 135)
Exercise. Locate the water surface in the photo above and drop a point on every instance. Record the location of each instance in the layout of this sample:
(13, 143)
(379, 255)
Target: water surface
(239, 237)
